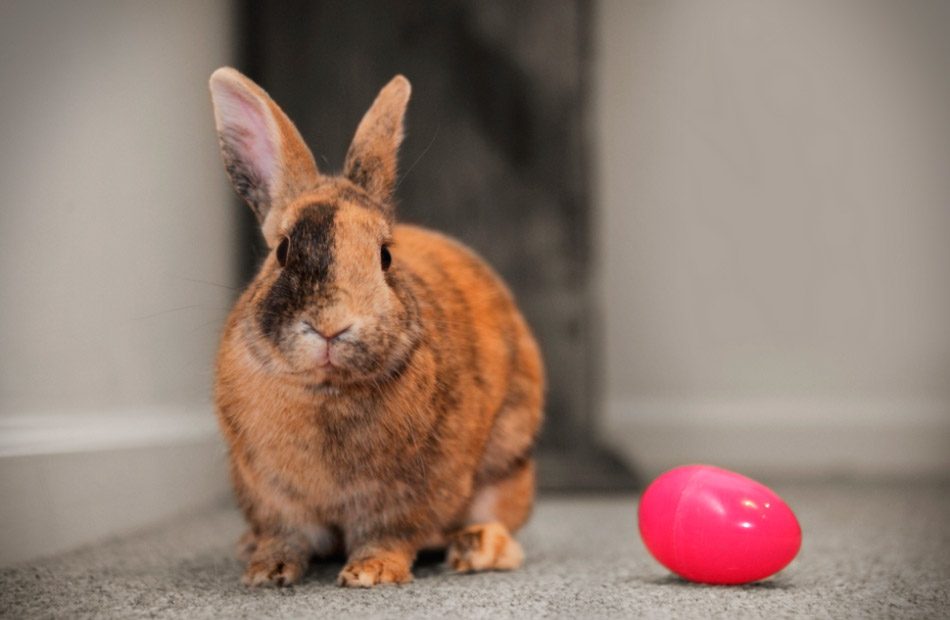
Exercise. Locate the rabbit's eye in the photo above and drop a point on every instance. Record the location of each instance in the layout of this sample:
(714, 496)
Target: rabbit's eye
(282, 249)
(385, 258)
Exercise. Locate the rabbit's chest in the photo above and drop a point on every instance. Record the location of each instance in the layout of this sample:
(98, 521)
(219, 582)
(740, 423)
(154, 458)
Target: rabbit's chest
(290, 463)
(309, 465)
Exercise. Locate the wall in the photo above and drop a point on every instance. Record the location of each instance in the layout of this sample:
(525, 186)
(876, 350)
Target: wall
(775, 234)
(116, 265)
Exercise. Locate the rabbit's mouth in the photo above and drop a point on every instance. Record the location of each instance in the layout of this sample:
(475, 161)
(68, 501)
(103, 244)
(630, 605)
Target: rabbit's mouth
(331, 368)
(338, 364)
(311, 351)
(349, 355)
(327, 368)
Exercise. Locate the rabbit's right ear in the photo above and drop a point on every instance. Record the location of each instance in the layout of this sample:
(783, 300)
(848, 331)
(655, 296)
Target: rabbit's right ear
(266, 158)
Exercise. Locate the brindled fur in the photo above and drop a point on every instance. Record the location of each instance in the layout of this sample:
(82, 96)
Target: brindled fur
(378, 389)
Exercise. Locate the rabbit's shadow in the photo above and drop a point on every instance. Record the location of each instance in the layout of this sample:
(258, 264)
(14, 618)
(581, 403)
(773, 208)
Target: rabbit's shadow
(216, 572)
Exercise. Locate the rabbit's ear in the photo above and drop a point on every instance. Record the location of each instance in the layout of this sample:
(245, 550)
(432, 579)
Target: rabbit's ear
(266, 158)
(371, 159)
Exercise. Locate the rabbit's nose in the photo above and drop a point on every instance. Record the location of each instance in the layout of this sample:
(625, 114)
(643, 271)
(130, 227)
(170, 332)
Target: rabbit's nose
(332, 334)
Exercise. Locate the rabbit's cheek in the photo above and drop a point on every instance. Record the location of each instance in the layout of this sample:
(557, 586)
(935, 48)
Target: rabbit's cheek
(336, 354)
(340, 354)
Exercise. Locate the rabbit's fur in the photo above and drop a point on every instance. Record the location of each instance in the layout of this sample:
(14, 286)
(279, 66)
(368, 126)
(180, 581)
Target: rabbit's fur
(369, 408)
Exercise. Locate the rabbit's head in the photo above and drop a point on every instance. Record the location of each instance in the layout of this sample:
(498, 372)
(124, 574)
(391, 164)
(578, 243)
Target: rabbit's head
(326, 303)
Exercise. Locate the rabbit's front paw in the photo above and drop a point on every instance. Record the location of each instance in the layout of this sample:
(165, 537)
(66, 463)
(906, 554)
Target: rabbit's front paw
(272, 572)
(275, 561)
(485, 546)
(382, 568)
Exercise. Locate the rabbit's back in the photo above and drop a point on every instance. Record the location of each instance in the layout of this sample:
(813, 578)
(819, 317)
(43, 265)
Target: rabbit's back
(493, 345)
(469, 314)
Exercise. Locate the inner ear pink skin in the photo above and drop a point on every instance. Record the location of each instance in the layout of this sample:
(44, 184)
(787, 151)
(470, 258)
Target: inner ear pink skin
(243, 112)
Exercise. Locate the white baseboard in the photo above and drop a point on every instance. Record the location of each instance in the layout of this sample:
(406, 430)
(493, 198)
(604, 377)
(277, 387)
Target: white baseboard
(74, 478)
(784, 438)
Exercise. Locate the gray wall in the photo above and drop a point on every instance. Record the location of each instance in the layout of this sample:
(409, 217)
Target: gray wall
(774, 198)
(114, 203)
(117, 230)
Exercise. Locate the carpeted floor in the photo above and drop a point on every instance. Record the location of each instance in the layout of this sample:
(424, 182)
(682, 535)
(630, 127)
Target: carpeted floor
(870, 551)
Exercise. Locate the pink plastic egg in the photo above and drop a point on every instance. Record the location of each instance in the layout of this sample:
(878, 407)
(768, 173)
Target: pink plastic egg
(715, 526)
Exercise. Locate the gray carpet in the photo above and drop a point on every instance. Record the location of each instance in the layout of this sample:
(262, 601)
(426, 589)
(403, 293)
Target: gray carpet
(870, 551)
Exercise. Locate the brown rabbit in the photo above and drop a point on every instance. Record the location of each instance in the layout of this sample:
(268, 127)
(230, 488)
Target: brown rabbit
(379, 390)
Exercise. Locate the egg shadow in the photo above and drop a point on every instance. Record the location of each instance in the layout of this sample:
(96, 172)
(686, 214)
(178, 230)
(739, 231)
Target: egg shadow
(764, 585)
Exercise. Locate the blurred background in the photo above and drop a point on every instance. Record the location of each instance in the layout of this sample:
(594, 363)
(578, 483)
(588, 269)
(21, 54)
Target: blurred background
(728, 224)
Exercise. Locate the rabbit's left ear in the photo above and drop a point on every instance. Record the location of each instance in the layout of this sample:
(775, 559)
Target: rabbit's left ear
(372, 157)
(266, 158)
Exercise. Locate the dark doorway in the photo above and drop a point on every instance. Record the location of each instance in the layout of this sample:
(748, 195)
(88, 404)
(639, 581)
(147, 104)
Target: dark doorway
(495, 155)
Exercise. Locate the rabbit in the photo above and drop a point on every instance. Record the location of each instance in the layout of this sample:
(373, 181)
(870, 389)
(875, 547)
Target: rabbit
(378, 389)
